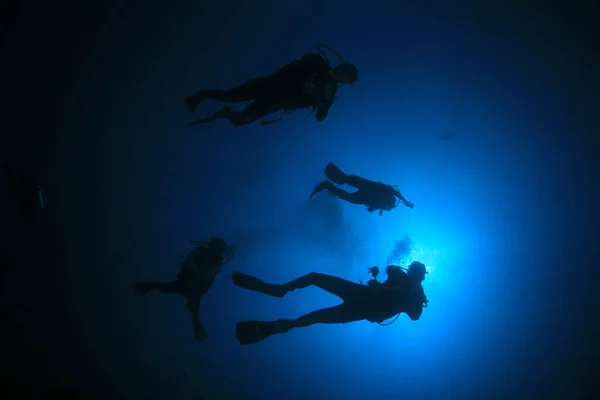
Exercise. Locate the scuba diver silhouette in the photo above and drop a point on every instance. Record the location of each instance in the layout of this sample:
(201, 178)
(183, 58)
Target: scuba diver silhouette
(374, 302)
(199, 269)
(308, 82)
(374, 195)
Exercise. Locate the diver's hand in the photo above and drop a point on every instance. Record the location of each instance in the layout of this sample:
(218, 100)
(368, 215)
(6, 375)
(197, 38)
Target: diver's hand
(374, 271)
(408, 204)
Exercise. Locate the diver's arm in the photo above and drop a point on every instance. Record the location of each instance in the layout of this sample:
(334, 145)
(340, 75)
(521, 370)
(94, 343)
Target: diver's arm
(397, 193)
(401, 198)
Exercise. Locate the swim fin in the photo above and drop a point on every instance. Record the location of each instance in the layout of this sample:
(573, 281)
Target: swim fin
(250, 332)
(142, 288)
(199, 331)
(320, 187)
(335, 174)
(205, 120)
(251, 283)
(194, 101)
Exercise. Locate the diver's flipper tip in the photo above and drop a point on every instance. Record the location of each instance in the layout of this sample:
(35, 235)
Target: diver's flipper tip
(193, 102)
(251, 283)
(200, 334)
(247, 332)
(250, 332)
(334, 174)
(142, 288)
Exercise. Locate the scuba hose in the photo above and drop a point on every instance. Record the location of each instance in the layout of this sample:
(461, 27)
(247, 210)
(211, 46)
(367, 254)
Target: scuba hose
(391, 322)
(324, 46)
(395, 187)
(321, 45)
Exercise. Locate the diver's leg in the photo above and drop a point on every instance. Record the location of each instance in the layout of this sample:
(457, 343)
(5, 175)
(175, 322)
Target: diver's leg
(340, 314)
(193, 304)
(255, 111)
(320, 187)
(359, 182)
(337, 192)
(342, 288)
(250, 332)
(164, 287)
(251, 283)
(342, 194)
(245, 92)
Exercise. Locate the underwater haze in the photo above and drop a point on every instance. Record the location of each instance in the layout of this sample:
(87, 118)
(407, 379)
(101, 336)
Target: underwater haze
(501, 208)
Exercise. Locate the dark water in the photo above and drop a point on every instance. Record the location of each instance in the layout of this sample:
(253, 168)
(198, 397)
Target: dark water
(503, 209)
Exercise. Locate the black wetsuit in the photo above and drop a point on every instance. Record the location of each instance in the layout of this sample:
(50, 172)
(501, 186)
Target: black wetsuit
(375, 302)
(300, 84)
(191, 284)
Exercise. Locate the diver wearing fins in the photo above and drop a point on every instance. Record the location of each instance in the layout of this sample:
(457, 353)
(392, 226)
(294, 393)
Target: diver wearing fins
(308, 82)
(199, 269)
(374, 195)
(374, 302)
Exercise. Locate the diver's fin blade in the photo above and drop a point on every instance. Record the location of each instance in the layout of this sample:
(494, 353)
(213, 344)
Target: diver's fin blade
(194, 101)
(200, 333)
(251, 283)
(248, 332)
(334, 174)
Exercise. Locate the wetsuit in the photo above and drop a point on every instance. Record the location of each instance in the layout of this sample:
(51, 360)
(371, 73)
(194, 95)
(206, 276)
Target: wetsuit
(375, 302)
(300, 84)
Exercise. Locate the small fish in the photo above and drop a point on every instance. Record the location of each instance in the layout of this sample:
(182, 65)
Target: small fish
(447, 137)
(40, 196)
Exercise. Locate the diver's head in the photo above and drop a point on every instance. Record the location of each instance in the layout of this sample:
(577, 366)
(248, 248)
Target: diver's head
(218, 244)
(417, 270)
(345, 73)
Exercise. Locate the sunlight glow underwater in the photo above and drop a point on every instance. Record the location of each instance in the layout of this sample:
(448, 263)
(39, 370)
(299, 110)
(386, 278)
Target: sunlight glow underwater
(405, 252)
